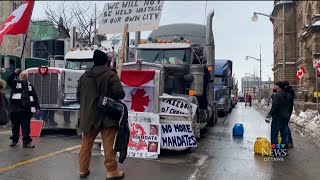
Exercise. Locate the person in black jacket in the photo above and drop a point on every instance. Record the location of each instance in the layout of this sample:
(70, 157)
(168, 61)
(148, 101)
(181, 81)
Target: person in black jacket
(279, 113)
(290, 93)
(23, 102)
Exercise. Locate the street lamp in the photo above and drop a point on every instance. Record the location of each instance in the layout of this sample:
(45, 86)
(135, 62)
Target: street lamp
(255, 18)
(260, 79)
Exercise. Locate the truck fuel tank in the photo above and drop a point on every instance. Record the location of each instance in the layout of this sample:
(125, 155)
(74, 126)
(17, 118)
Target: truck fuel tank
(197, 71)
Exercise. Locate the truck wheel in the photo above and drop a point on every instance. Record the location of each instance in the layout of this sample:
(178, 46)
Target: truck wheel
(196, 126)
(212, 120)
(224, 113)
(66, 115)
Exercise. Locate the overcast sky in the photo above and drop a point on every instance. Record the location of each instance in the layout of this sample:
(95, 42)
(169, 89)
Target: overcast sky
(236, 36)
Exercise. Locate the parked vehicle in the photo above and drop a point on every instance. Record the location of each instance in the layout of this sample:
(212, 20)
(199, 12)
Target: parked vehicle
(223, 84)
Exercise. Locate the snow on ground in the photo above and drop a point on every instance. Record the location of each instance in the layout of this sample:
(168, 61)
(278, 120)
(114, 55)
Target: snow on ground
(308, 120)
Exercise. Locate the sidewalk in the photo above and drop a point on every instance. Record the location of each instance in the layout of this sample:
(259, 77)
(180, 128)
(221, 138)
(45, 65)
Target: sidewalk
(307, 121)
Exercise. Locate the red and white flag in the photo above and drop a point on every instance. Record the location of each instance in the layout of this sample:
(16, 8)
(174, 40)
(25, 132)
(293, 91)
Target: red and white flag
(18, 21)
(300, 73)
(139, 87)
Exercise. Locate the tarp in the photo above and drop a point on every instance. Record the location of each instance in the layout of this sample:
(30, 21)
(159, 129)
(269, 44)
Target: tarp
(43, 30)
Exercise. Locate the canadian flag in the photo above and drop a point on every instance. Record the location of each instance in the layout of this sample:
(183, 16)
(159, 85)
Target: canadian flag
(138, 86)
(300, 73)
(18, 21)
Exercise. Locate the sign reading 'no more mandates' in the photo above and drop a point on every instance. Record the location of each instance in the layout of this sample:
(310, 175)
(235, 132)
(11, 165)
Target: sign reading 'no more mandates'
(139, 15)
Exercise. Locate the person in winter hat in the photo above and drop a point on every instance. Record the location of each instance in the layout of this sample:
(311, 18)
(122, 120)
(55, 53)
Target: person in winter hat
(290, 93)
(279, 113)
(98, 81)
(23, 103)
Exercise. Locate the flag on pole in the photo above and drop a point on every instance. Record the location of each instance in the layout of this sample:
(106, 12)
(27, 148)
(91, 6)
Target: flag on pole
(139, 87)
(300, 73)
(18, 21)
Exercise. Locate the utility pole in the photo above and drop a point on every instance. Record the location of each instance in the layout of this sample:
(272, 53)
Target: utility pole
(283, 44)
(260, 84)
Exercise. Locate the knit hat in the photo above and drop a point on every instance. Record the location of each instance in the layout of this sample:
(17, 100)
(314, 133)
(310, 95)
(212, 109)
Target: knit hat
(280, 84)
(286, 83)
(100, 58)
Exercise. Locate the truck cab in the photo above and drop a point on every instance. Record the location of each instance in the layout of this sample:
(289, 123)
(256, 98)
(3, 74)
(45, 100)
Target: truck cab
(56, 88)
(223, 84)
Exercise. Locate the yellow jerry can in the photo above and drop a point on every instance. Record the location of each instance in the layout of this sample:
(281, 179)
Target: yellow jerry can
(279, 139)
(262, 146)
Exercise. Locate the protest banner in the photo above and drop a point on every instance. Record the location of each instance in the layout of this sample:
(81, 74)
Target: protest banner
(177, 135)
(172, 106)
(144, 140)
(139, 15)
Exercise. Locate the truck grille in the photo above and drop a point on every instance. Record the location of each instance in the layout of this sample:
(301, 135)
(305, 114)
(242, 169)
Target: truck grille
(46, 87)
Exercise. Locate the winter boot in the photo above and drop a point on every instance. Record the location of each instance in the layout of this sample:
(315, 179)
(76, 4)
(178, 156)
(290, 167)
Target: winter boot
(114, 175)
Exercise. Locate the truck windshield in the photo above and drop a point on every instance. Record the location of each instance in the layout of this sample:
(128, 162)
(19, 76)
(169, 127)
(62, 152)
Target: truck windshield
(165, 56)
(79, 64)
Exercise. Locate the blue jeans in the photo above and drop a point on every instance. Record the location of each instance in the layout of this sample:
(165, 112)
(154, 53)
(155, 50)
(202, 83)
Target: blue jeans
(279, 125)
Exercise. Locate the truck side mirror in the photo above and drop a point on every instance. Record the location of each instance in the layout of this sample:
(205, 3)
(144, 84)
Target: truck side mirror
(6, 62)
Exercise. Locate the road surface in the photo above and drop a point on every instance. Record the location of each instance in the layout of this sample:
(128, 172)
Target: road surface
(218, 156)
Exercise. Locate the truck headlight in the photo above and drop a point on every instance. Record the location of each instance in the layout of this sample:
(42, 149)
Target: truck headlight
(70, 96)
(221, 101)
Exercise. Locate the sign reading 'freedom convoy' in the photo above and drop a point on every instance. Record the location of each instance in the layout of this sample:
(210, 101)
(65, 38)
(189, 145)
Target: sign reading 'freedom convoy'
(139, 15)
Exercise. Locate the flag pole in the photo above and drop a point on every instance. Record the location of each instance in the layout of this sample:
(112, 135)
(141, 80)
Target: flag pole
(25, 39)
(23, 46)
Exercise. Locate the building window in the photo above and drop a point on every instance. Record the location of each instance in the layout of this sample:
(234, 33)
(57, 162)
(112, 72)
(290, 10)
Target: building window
(15, 4)
(300, 22)
(309, 15)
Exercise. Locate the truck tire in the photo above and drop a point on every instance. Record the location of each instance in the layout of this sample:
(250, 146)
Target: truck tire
(196, 126)
(224, 113)
(212, 120)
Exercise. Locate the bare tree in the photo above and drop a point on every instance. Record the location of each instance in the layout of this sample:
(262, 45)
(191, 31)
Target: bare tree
(74, 13)
(86, 20)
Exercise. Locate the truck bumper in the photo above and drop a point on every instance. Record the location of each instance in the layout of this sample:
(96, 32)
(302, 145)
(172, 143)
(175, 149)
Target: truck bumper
(65, 117)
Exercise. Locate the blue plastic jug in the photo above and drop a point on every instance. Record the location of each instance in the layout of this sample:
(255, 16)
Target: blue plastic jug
(238, 130)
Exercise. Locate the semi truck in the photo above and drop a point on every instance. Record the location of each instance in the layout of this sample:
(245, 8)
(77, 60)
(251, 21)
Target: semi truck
(189, 78)
(183, 60)
(56, 86)
(223, 85)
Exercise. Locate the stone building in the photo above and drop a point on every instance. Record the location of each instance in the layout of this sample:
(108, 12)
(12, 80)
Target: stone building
(249, 84)
(302, 44)
(11, 45)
